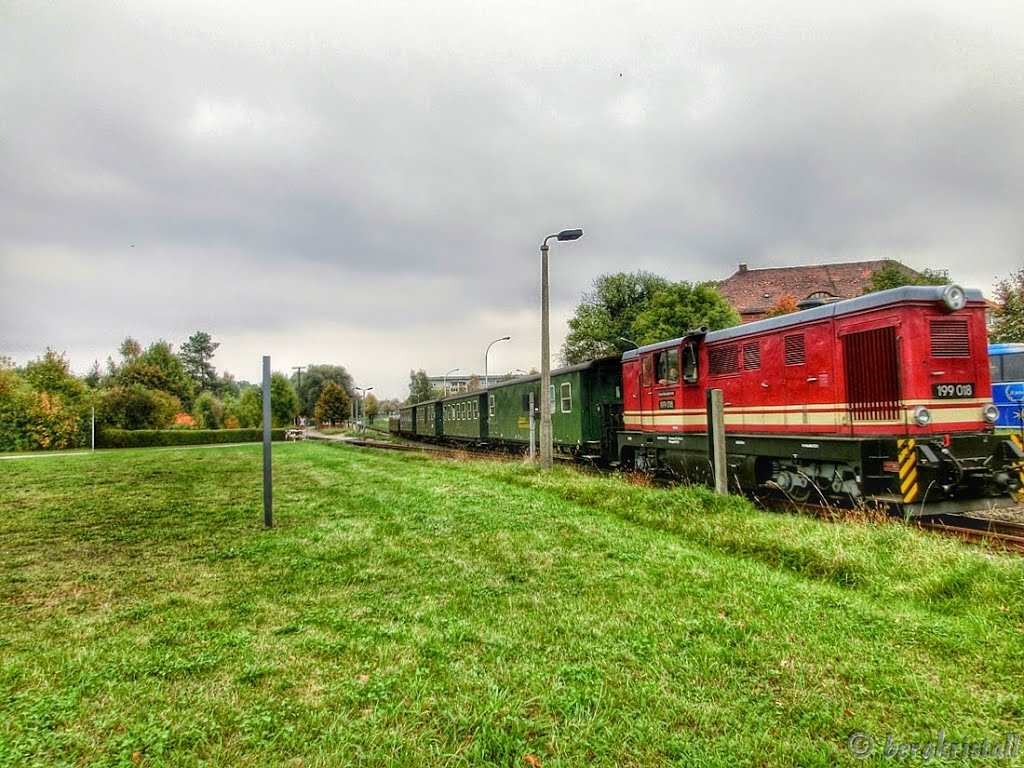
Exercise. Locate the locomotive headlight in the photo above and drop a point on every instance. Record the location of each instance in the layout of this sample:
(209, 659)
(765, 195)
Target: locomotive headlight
(990, 413)
(922, 416)
(954, 297)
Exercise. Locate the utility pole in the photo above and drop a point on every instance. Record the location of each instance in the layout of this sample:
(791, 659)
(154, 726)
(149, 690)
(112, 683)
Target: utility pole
(298, 391)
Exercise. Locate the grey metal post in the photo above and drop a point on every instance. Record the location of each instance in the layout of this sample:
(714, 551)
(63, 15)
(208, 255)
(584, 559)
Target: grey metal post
(716, 439)
(533, 430)
(268, 491)
(94, 428)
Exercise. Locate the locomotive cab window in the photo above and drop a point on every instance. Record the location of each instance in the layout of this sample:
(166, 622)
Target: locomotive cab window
(566, 397)
(690, 363)
(668, 367)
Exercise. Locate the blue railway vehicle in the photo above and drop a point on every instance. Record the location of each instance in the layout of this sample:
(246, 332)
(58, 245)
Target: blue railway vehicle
(1006, 361)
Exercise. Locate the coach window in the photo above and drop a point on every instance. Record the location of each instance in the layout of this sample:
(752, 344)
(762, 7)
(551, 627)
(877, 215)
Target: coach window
(551, 398)
(490, 405)
(645, 370)
(668, 367)
(567, 397)
(690, 363)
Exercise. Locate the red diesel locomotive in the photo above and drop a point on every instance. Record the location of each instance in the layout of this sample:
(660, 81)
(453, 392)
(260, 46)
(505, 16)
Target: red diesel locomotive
(884, 398)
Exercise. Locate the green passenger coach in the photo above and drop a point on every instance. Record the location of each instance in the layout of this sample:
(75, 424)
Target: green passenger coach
(428, 419)
(586, 408)
(464, 417)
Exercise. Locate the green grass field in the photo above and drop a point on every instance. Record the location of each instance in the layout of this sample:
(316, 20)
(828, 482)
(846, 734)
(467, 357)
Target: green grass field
(415, 611)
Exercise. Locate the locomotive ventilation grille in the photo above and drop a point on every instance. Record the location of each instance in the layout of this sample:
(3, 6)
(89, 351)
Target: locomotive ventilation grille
(872, 375)
(950, 338)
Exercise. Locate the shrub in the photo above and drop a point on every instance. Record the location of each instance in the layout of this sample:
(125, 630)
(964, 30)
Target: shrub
(208, 411)
(146, 438)
(136, 407)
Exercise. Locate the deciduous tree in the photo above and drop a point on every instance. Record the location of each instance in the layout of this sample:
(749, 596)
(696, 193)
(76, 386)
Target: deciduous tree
(160, 369)
(682, 307)
(419, 387)
(334, 404)
(896, 275)
(313, 380)
(607, 313)
(1009, 316)
(787, 305)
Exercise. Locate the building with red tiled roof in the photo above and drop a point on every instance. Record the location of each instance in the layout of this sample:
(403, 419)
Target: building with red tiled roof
(752, 292)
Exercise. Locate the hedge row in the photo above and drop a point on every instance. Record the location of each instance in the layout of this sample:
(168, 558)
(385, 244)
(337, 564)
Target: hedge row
(145, 438)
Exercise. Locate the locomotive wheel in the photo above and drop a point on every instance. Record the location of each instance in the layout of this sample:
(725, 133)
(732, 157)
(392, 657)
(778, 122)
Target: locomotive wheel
(801, 493)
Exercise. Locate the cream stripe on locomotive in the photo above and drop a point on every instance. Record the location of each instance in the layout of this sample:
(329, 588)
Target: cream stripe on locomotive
(818, 414)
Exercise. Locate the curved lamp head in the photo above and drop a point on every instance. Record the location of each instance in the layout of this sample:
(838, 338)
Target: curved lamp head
(570, 234)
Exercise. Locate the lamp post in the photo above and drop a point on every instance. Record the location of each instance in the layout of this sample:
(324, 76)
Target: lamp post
(364, 390)
(444, 382)
(545, 347)
(487, 380)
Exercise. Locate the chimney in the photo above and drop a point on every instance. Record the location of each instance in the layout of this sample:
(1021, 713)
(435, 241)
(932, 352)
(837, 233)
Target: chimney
(743, 268)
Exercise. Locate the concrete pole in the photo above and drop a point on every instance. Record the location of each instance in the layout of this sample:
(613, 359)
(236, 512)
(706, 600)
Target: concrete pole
(545, 363)
(716, 439)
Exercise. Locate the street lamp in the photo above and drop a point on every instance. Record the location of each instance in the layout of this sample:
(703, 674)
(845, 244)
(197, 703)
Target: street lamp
(545, 347)
(444, 382)
(487, 380)
(364, 390)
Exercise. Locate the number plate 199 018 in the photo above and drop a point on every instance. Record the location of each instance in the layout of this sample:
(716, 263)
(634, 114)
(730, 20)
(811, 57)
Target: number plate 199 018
(952, 391)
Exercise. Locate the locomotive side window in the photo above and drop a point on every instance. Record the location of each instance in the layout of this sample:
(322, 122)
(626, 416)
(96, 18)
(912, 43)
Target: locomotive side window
(723, 360)
(950, 338)
(796, 354)
(645, 371)
(752, 356)
(566, 397)
(668, 367)
(490, 406)
(690, 364)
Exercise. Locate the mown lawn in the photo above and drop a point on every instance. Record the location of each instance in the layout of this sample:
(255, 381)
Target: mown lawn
(415, 611)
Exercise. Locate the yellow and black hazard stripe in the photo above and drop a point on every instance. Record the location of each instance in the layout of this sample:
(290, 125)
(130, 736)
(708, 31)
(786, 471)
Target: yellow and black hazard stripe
(908, 470)
(1020, 465)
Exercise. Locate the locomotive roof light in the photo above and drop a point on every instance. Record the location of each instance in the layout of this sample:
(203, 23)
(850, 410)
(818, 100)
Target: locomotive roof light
(954, 297)
(922, 416)
(990, 413)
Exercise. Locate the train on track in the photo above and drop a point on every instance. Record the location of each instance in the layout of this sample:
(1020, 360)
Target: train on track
(883, 399)
(1006, 363)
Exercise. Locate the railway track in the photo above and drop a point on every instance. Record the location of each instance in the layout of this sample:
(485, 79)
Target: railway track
(1004, 533)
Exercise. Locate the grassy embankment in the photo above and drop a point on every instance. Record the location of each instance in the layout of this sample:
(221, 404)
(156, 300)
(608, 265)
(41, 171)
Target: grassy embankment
(414, 611)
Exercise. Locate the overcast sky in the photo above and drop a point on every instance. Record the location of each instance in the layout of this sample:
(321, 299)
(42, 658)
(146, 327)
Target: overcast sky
(368, 183)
